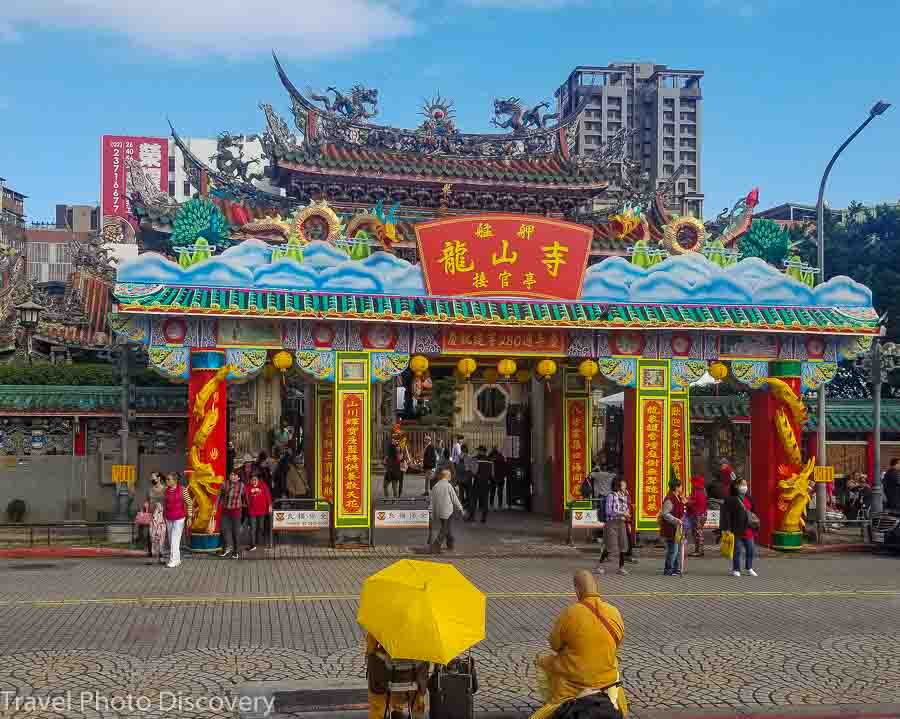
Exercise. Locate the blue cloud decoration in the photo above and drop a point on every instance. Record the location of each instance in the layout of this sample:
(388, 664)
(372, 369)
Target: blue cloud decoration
(685, 279)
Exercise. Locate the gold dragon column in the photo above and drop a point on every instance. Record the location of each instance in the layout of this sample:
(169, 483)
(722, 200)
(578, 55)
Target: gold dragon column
(780, 475)
(207, 447)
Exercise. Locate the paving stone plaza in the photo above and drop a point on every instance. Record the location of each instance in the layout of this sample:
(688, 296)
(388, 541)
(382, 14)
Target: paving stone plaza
(811, 630)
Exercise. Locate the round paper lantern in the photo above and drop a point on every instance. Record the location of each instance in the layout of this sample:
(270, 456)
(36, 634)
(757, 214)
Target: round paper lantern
(718, 371)
(466, 366)
(523, 376)
(506, 368)
(546, 368)
(588, 369)
(419, 365)
(490, 375)
(283, 361)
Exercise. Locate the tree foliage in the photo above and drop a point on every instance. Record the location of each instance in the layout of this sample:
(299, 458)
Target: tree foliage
(866, 247)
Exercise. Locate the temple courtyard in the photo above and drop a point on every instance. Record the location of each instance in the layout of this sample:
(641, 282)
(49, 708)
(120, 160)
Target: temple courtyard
(817, 630)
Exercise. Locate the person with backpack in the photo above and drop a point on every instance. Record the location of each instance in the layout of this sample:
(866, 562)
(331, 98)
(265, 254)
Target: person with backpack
(671, 527)
(739, 518)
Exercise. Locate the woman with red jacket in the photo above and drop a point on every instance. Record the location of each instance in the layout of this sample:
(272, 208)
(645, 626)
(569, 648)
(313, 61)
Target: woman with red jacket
(259, 506)
(696, 512)
(175, 512)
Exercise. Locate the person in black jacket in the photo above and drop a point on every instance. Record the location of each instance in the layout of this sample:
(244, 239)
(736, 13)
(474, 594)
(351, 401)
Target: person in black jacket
(739, 518)
(429, 462)
(481, 489)
(891, 485)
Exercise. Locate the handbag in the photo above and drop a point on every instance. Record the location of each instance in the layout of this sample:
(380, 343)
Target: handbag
(142, 519)
(726, 547)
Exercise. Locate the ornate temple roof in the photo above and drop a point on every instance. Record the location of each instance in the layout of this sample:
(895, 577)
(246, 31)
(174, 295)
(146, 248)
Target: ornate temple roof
(272, 304)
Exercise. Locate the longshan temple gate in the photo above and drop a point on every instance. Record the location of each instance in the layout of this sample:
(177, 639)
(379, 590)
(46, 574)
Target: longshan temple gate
(363, 253)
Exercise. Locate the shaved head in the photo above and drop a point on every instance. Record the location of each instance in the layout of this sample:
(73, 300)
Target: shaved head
(585, 584)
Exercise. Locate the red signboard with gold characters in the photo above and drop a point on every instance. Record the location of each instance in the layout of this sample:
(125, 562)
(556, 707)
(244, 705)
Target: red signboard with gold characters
(353, 453)
(499, 341)
(679, 440)
(652, 456)
(325, 436)
(578, 452)
(504, 256)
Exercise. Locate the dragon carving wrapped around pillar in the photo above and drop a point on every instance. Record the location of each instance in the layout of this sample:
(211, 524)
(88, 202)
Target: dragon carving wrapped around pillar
(205, 483)
(794, 476)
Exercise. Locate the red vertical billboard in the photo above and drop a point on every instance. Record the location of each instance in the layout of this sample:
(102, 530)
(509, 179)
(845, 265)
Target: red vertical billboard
(153, 155)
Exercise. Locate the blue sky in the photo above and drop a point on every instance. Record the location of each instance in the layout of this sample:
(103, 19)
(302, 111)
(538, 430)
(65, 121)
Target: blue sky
(786, 80)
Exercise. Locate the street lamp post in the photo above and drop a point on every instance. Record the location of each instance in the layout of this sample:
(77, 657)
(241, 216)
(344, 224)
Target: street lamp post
(878, 108)
(28, 314)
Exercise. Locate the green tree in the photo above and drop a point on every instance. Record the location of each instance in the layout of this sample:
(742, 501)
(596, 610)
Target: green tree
(865, 247)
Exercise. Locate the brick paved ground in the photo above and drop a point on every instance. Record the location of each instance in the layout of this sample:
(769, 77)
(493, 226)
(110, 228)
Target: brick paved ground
(817, 630)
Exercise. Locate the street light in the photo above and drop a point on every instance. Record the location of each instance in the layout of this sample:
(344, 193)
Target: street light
(28, 314)
(878, 108)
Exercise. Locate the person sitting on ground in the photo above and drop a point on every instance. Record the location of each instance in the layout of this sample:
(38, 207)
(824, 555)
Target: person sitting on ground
(444, 504)
(584, 669)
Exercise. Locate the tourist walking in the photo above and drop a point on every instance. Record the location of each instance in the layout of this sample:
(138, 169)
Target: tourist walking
(231, 499)
(392, 472)
(464, 476)
(891, 485)
(429, 462)
(618, 512)
(157, 529)
(259, 506)
(444, 504)
(175, 510)
(697, 511)
(672, 527)
(481, 488)
(739, 518)
(500, 466)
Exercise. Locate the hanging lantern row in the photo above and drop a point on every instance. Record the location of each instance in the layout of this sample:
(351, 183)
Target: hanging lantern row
(546, 368)
(466, 367)
(718, 371)
(418, 365)
(506, 368)
(283, 361)
(588, 369)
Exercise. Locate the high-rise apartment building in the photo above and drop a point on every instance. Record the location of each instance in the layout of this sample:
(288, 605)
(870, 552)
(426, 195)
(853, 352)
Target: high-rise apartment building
(662, 105)
(78, 218)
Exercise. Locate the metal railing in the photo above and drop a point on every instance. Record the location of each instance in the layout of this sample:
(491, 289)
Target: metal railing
(36, 532)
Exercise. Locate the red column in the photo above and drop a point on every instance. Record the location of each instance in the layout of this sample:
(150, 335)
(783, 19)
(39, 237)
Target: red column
(207, 441)
(766, 452)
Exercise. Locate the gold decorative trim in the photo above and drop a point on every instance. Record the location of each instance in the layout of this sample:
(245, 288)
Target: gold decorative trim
(670, 235)
(324, 213)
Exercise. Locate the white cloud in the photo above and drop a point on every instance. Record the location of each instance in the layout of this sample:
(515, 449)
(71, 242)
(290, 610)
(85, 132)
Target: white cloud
(225, 28)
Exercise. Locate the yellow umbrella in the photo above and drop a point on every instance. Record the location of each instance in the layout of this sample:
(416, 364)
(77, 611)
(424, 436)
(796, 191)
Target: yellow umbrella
(422, 611)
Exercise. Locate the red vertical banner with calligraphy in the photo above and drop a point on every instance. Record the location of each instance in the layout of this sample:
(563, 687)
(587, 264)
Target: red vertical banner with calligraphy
(680, 439)
(577, 460)
(352, 500)
(325, 446)
(652, 462)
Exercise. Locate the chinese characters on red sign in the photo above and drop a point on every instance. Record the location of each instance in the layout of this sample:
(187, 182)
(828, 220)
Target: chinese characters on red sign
(504, 256)
(483, 340)
(153, 155)
(678, 439)
(353, 438)
(326, 449)
(653, 455)
(577, 446)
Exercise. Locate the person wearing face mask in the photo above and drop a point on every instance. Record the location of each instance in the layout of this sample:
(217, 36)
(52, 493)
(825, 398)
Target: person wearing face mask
(739, 518)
